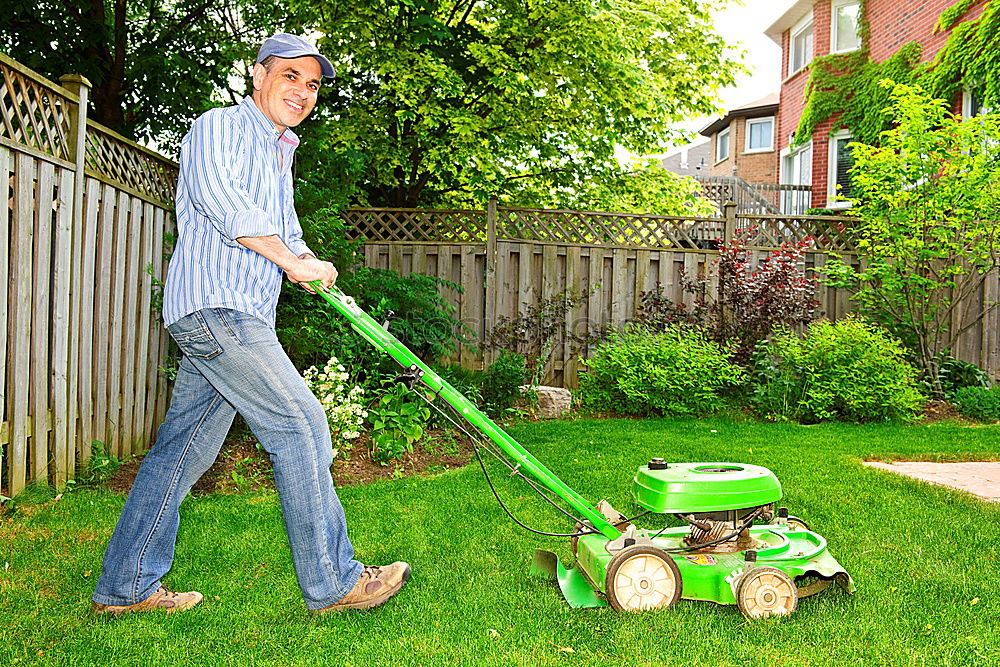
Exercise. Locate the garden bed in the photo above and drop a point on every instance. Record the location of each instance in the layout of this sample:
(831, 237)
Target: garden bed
(242, 466)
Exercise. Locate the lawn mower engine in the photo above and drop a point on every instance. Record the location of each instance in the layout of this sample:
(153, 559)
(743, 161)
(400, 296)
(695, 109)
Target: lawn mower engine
(736, 546)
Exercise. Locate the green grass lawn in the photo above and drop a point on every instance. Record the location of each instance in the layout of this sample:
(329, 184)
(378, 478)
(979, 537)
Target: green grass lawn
(925, 560)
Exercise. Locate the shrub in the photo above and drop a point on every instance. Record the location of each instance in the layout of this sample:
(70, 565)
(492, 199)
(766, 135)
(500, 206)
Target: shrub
(753, 298)
(501, 383)
(341, 403)
(847, 370)
(675, 372)
(535, 334)
(398, 421)
(979, 403)
(312, 331)
(955, 374)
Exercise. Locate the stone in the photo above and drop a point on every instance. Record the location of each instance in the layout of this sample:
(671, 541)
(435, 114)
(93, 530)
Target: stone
(552, 402)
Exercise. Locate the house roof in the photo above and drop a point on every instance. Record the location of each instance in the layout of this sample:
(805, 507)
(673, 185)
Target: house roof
(791, 16)
(762, 107)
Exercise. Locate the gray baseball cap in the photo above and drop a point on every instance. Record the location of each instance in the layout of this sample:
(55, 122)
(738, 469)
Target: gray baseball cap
(285, 45)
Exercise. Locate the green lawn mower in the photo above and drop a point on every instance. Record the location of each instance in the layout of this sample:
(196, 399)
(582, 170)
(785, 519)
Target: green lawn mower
(735, 545)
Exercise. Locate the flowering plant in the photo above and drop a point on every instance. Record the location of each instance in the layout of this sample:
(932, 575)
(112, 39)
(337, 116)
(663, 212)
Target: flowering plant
(341, 403)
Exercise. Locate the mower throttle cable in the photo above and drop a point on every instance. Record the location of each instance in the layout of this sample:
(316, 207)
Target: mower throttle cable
(480, 443)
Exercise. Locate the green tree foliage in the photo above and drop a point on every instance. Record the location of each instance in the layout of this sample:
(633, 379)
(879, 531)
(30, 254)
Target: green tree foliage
(155, 65)
(927, 203)
(645, 188)
(446, 101)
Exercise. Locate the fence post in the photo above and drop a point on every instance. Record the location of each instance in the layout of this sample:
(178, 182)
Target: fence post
(78, 150)
(729, 230)
(491, 268)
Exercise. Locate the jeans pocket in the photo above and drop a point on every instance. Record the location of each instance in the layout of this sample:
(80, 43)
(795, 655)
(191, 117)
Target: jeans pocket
(194, 338)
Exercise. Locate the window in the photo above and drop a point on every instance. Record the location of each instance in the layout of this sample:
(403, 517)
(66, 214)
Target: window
(841, 161)
(722, 145)
(802, 45)
(796, 169)
(972, 104)
(760, 134)
(844, 23)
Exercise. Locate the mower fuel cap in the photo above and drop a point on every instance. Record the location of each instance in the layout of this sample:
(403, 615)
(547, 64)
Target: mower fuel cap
(657, 464)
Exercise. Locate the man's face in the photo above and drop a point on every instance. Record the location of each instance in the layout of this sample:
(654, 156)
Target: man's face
(287, 93)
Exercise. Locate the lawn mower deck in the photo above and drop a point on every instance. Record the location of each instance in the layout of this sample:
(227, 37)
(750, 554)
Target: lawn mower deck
(720, 556)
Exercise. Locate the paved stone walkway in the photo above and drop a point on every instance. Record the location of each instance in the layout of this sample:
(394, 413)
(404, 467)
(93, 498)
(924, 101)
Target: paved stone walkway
(976, 477)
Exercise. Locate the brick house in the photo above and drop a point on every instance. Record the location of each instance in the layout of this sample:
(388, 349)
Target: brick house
(743, 142)
(813, 28)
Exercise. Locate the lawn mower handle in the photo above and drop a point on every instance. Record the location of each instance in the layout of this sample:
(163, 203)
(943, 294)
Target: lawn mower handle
(375, 334)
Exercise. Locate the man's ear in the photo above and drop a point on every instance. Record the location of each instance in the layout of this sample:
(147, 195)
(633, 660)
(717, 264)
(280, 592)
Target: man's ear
(258, 76)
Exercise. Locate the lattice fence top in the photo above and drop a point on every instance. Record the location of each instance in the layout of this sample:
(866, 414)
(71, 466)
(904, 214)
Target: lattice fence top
(35, 111)
(407, 224)
(115, 157)
(623, 229)
(827, 232)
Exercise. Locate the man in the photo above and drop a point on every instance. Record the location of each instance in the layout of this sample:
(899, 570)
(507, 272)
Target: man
(237, 231)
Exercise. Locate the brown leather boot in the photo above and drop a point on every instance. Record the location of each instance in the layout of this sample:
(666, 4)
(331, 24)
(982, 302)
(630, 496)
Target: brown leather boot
(374, 586)
(162, 599)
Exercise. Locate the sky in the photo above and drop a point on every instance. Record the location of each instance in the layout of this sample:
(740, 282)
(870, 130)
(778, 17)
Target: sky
(743, 25)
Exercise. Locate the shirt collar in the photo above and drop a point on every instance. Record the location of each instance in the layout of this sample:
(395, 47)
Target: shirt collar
(265, 127)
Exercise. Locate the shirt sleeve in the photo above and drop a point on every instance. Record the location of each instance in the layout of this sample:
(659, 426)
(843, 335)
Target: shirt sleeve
(213, 165)
(294, 242)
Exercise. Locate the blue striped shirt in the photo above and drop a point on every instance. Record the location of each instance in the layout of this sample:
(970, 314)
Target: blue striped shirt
(231, 185)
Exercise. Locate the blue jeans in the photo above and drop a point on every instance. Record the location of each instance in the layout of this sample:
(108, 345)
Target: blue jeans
(233, 363)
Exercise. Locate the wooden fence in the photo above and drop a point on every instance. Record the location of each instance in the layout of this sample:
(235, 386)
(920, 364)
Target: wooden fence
(86, 214)
(507, 259)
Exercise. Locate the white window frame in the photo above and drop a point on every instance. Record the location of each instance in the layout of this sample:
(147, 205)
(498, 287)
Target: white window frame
(834, 6)
(792, 152)
(746, 131)
(967, 96)
(805, 24)
(831, 175)
(729, 146)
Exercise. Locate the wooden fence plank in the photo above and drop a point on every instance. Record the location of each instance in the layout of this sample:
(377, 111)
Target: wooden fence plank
(550, 288)
(60, 329)
(22, 234)
(86, 241)
(595, 283)
(114, 378)
(102, 318)
(140, 434)
(167, 346)
(620, 299)
(42, 256)
(574, 286)
(153, 329)
(5, 175)
(469, 305)
(131, 283)
(642, 261)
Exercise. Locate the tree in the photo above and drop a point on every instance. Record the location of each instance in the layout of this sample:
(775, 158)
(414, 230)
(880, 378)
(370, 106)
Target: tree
(155, 65)
(453, 101)
(927, 201)
(644, 187)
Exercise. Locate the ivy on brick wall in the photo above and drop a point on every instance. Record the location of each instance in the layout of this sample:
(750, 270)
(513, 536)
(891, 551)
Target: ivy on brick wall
(848, 84)
(950, 16)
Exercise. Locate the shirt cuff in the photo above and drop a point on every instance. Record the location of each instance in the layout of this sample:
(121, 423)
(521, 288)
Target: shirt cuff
(251, 222)
(299, 247)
